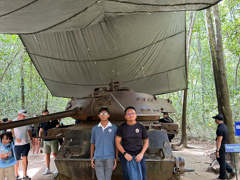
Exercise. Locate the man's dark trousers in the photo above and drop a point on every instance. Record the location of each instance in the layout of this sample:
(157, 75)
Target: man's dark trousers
(123, 163)
(223, 165)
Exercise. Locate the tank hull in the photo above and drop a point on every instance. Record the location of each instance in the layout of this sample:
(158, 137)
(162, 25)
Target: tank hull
(73, 158)
(80, 169)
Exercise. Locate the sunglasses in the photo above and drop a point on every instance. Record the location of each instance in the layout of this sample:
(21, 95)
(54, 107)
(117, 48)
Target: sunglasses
(103, 114)
(130, 113)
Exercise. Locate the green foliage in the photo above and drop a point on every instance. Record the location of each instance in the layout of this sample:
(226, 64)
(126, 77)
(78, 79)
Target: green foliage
(202, 102)
(35, 89)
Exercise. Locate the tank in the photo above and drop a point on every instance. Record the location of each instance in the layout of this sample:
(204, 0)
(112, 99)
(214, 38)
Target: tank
(73, 158)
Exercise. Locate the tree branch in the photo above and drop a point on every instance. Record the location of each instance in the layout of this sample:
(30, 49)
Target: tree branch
(9, 64)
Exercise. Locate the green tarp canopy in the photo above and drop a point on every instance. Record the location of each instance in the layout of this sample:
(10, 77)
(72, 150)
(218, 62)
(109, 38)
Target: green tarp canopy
(78, 45)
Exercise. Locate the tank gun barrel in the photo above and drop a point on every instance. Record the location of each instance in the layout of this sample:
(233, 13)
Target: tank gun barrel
(39, 119)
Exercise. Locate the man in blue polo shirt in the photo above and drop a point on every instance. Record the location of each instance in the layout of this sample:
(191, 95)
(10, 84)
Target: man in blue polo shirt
(103, 151)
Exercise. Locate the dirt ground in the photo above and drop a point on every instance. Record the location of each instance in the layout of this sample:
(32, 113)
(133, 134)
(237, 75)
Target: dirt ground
(197, 157)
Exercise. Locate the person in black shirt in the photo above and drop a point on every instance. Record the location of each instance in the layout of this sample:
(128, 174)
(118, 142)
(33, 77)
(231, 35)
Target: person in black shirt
(49, 145)
(222, 139)
(167, 119)
(134, 142)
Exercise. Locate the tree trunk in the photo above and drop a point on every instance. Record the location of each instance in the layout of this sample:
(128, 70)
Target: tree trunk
(184, 120)
(22, 79)
(212, 42)
(184, 109)
(31, 78)
(202, 76)
(236, 72)
(219, 70)
(46, 100)
(225, 101)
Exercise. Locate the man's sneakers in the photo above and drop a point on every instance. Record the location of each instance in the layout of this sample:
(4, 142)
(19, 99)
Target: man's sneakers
(47, 171)
(56, 171)
(18, 177)
(34, 155)
(26, 178)
(232, 175)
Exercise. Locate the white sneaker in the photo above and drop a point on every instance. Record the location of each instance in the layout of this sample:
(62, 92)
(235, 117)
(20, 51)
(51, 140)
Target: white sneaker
(56, 171)
(47, 171)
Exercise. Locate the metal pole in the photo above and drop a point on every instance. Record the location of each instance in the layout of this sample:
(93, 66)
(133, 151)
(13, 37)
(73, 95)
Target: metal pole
(235, 166)
(40, 119)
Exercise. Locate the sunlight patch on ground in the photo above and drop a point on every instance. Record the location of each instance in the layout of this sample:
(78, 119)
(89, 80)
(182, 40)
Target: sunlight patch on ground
(30, 172)
(198, 153)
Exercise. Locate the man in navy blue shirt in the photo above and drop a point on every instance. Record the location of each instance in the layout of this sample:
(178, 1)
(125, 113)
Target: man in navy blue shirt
(134, 142)
(49, 145)
(103, 151)
(222, 139)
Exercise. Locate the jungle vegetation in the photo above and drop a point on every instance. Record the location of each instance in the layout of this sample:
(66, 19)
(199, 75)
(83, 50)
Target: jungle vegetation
(22, 87)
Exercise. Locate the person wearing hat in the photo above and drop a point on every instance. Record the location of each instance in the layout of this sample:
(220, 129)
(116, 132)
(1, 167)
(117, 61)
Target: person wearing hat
(22, 136)
(49, 145)
(167, 119)
(4, 120)
(103, 151)
(222, 139)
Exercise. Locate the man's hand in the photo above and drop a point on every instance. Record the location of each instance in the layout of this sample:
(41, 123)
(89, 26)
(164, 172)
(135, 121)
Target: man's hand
(128, 157)
(92, 163)
(115, 164)
(139, 157)
(217, 155)
(18, 140)
(39, 142)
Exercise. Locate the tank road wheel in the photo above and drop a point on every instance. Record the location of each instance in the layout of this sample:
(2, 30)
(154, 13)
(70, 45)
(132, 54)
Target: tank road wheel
(62, 177)
(179, 167)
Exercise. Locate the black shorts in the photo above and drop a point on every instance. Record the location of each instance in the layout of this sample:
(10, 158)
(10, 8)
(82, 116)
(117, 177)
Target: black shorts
(22, 150)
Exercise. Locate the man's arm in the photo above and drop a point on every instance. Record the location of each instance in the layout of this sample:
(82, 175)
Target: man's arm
(118, 140)
(144, 148)
(92, 148)
(30, 135)
(40, 132)
(116, 158)
(58, 124)
(13, 135)
(40, 135)
(116, 153)
(218, 145)
(17, 139)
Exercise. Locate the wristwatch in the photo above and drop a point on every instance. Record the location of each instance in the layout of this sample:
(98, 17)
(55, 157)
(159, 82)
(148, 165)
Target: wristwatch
(124, 153)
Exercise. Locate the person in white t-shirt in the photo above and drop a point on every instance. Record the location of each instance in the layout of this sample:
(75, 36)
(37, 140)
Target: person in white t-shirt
(22, 136)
